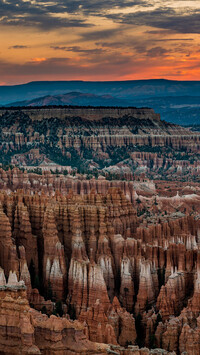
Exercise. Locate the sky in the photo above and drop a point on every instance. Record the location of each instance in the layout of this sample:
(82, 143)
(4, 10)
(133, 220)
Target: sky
(99, 40)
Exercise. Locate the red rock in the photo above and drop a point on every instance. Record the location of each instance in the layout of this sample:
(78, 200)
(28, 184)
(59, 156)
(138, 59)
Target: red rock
(54, 268)
(146, 293)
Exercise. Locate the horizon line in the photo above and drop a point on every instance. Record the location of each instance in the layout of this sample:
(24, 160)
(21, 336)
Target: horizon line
(96, 81)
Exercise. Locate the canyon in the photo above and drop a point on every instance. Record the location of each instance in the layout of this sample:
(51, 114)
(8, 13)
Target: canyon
(100, 233)
(97, 266)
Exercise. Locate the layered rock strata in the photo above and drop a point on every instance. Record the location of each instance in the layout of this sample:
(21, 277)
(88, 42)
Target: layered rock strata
(116, 141)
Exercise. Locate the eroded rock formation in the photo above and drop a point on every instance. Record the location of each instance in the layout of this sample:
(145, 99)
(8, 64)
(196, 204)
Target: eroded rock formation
(95, 267)
(111, 141)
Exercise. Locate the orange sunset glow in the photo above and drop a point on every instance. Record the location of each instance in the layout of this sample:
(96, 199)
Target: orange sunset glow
(99, 40)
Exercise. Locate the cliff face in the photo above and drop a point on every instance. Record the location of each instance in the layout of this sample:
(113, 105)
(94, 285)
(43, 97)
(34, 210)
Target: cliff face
(106, 257)
(109, 141)
(87, 113)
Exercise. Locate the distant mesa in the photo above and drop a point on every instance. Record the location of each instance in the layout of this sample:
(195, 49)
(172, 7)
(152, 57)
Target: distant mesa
(83, 112)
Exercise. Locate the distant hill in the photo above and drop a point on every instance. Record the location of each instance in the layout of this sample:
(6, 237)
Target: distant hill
(72, 98)
(176, 101)
(127, 90)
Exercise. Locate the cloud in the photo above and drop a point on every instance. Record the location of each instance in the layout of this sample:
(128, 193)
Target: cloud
(67, 68)
(173, 39)
(114, 67)
(17, 46)
(38, 60)
(45, 15)
(48, 14)
(99, 7)
(168, 18)
(77, 49)
(110, 44)
(100, 34)
(107, 37)
(156, 52)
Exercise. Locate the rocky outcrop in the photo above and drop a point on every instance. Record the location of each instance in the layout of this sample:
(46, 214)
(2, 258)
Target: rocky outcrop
(123, 323)
(26, 331)
(8, 253)
(172, 295)
(147, 289)
(23, 234)
(54, 268)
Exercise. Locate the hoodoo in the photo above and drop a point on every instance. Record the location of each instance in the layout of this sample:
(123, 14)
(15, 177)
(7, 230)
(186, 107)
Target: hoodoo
(104, 268)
